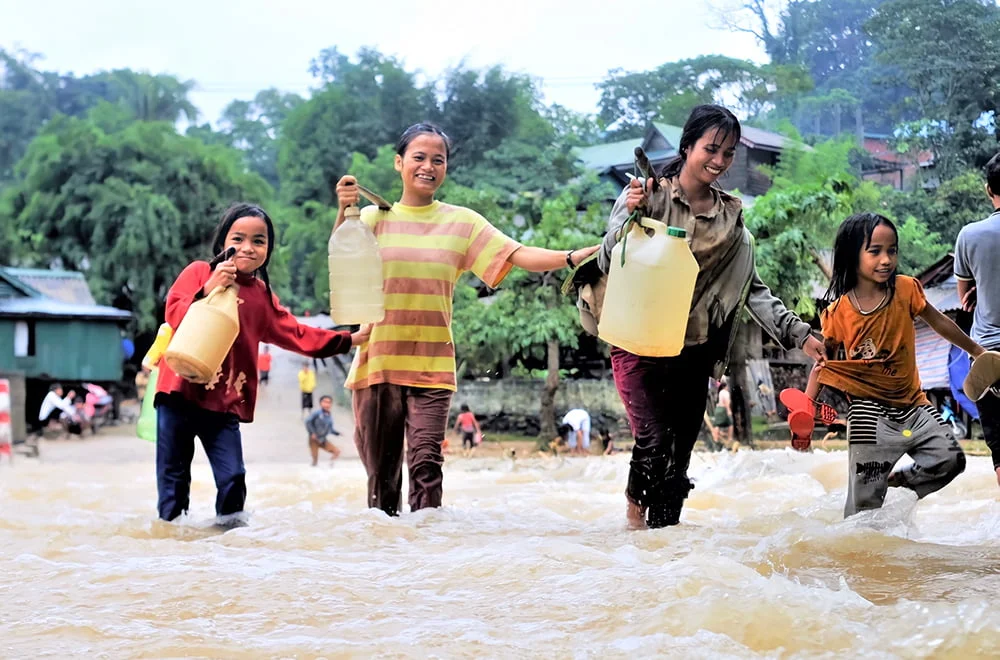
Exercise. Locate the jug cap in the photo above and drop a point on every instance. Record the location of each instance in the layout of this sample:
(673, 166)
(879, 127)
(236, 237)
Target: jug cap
(352, 212)
(679, 232)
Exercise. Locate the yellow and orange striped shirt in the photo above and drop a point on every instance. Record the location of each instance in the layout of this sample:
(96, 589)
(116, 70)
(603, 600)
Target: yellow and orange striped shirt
(424, 250)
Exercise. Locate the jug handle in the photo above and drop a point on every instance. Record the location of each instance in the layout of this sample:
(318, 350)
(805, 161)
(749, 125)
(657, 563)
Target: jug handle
(217, 291)
(633, 219)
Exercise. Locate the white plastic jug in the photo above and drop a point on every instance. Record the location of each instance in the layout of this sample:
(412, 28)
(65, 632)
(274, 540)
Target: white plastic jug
(355, 262)
(648, 299)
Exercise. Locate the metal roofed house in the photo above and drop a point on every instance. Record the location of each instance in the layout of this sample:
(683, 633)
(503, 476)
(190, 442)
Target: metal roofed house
(65, 285)
(614, 161)
(51, 330)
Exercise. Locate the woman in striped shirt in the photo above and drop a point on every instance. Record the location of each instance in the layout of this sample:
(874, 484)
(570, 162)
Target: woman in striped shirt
(403, 378)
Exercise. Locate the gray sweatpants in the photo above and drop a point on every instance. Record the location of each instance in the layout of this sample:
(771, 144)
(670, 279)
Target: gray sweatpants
(879, 435)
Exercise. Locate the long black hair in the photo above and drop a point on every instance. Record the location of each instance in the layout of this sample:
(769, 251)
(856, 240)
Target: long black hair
(854, 235)
(702, 119)
(423, 128)
(239, 210)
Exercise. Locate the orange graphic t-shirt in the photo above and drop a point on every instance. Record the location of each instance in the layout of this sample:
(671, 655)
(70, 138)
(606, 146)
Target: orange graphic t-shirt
(873, 356)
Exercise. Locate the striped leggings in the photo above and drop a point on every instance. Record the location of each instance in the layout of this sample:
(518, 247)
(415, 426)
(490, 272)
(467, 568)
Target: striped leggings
(878, 435)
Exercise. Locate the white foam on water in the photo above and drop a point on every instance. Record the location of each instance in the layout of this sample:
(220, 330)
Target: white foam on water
(528, 558)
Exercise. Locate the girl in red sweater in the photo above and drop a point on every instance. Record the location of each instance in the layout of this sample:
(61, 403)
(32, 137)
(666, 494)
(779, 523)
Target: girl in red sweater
(213, 411)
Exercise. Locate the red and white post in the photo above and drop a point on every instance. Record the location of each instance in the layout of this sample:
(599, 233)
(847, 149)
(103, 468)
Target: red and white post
(6, 431)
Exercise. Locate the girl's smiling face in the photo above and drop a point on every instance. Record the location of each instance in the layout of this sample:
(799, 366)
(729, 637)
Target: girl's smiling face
(249, 236)
(711, 155)
(423, 166)
(877, 261)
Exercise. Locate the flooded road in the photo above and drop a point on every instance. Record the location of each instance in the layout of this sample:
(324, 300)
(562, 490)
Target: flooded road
(528, 558)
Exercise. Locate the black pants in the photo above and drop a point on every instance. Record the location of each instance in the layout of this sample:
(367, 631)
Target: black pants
(177, 424)
(665, 402)
(989, 417)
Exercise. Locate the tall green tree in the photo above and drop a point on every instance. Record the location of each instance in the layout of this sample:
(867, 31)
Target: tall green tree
(945, 209)
(828, 38)
(361, 106)
(254, 127)
(30, 96)
(128, 208)
(947, 52)
(630, 100)
(528, 318)
(24, 107)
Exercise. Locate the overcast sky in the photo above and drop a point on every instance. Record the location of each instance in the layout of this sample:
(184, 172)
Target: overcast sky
(234, 49)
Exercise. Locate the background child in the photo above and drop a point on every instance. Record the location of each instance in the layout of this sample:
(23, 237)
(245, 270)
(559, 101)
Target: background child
(467, 425)
(56, 408)
(871, 357)
(578, 439)
(264, 365)
(319, 424)
(723, 417)
(213, 411)
(307, 384)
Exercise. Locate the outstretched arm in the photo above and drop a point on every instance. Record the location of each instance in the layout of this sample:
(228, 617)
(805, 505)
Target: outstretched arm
(539, 260)
(945, 327)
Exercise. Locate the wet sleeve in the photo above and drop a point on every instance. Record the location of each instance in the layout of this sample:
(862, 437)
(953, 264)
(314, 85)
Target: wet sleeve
(186, 289)
(311, 423)
(285, 331)
(772, 315)
(489, 252)
(619, 214)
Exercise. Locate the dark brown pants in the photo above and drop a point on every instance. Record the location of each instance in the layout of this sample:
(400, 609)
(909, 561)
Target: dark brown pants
(665, 402)
(383, 415)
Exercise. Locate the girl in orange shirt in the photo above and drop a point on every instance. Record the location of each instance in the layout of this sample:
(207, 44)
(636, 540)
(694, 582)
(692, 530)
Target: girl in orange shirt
(870, 342)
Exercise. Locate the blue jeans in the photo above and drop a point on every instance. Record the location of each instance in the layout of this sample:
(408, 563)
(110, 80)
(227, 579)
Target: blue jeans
(177, 424)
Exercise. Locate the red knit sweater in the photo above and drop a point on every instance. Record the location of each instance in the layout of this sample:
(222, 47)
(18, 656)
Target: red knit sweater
(234, 390)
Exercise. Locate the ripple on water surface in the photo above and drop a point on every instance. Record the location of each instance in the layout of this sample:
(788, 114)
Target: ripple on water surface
(527, 558)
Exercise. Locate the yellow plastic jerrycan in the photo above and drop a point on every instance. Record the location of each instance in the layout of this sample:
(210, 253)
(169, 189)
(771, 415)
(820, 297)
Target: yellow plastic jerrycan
(650, 287)
(205, 336)
(156, 351)
(356, 295)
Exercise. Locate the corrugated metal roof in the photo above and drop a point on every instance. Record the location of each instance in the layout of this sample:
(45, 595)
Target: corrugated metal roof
(604, 156)
(944, 296)
(34, 307)
(13, 287)
(756, 137)
(65, 285)
(932, 358)
(670, 133)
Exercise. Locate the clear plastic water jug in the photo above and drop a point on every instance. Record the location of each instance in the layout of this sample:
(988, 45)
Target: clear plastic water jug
(648, 299)
(205, 335)
(355, 273)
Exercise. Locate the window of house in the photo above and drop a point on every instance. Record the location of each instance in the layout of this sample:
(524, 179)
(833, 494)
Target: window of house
(24, 339)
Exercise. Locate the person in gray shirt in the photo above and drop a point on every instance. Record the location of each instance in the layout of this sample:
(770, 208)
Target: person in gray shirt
(320, 425)
(977, 269)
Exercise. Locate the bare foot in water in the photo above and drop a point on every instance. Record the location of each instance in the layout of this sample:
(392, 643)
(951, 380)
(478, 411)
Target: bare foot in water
(636, 515)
